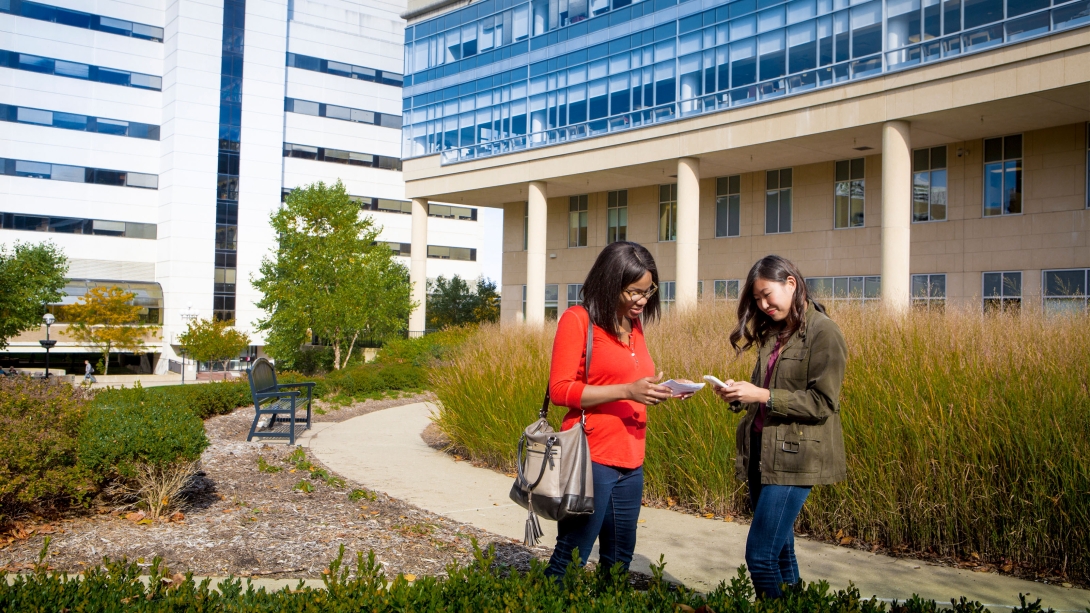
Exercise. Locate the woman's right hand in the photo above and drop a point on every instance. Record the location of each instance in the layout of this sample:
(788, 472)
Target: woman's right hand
(647, 390)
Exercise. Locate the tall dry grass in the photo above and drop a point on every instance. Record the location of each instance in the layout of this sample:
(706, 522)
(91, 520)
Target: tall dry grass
(964, 433)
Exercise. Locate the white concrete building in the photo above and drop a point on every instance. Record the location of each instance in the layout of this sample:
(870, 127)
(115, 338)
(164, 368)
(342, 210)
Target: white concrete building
(152, 140)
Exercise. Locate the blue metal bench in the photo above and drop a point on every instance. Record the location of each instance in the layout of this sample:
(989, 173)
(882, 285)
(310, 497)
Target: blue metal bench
(277, 400)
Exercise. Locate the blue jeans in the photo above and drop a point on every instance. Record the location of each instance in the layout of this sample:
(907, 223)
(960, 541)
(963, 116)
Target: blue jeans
(770, 547)
(618, 493)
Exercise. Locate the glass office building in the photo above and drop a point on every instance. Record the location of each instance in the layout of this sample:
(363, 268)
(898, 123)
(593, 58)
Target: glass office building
(500, 76)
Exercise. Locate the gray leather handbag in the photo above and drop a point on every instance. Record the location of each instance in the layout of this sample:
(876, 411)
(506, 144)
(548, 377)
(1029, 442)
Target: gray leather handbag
(554, 468)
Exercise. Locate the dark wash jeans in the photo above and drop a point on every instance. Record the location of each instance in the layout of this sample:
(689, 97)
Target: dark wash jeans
(770, 547)
(618, 493)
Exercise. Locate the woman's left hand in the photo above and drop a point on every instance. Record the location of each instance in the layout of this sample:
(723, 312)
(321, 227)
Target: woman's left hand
(742, 391)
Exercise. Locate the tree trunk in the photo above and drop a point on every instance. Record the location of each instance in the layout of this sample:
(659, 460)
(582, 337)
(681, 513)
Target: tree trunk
(337, 353)
(351, 346)
(106, 362)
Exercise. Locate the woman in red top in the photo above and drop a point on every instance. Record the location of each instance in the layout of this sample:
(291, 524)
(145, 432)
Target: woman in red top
(620, 287)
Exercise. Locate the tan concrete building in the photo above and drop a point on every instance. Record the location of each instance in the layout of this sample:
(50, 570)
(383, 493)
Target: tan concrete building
(961, 179)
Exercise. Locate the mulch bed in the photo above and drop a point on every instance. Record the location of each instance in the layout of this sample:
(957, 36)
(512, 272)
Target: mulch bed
(239, 520)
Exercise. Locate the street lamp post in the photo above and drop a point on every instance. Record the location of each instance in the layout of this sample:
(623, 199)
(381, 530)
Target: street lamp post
(188, 315)
(48, 344)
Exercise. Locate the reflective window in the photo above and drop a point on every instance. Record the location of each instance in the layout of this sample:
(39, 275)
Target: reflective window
(929, 292)
(75, 70)
(338, 156)
(848, 194)
(1003, 176)
(577, 221)
(340, 69)
(84, 123)
(78, 19)
(778, 201)
(929, 184)
(321, 109)
(617, 216)
(1002, 291)
(855, 289)
(72, 225)
(1065, 291)
(575, 294)
(77, 174)
(666, 294)
(728, 206)
(452, 253)
(726, 289)
(668, 212)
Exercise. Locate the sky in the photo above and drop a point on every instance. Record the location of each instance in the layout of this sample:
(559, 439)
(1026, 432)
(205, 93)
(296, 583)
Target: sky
(491, 253)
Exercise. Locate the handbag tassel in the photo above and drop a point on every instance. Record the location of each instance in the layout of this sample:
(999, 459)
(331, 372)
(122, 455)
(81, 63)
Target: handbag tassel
(533, 531)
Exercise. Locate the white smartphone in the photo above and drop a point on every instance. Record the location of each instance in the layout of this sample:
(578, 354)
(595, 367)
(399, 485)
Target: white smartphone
(714, 381)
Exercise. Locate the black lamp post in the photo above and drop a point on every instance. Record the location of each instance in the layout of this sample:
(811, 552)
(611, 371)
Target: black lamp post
(48, 344)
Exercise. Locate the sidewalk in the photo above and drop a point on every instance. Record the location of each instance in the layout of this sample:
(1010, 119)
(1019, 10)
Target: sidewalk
(383, 451)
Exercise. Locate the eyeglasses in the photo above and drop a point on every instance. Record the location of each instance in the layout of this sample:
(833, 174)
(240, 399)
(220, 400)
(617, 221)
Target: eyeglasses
(635, 294)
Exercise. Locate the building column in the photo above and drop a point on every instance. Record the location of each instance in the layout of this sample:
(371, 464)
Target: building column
(896, 214)
(688, 232)
(537, 218)
(418, 269)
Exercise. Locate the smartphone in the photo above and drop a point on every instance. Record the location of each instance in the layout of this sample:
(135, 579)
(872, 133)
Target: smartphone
(714, 381)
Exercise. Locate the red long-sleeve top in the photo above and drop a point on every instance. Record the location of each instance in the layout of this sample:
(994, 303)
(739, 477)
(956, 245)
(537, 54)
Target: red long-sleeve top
(616, 430)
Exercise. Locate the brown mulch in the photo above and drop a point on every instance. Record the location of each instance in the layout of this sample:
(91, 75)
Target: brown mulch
(242, 521)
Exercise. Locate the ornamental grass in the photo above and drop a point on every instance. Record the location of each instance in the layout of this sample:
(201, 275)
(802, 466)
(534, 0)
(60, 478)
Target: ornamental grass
(966, 433)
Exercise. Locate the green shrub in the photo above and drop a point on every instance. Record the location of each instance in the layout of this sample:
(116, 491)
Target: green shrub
(39, 433)
(203, 400)
(117, 440)
(423, 350)
(482, 586)
(965, 433)
(312, 360)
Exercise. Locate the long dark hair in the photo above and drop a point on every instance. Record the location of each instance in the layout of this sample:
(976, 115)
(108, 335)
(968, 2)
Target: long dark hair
(618, 265)
(754, 325)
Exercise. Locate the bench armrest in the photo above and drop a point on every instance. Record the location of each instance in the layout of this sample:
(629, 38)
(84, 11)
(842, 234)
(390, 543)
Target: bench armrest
(277, 394)
(287, 385)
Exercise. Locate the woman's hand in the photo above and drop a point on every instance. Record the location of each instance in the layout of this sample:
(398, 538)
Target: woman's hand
(646, 390)
(684, 396)
(742, 391)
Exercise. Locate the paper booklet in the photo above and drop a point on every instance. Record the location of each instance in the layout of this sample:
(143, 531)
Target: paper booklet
(683, 388)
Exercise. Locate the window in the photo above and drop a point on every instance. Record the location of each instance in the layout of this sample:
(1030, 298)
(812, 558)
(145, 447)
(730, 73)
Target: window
(1065, 290)
(352, 158)
(929, 291)
(77, 174)
(552, 295)
(929, 184)
(575, 294)
(855, 289)
(577, 221)
(728, 206)
(73, 225)
(331, 111)
(350, 71)
(1002, 291)
(778, 201)
(668, 212)
(1003, 176)
(402, 249)
(666, 294)
(848, 199)
(78, 19)
(617, 217)
(452, 253)
(445, 211)
(727, 289)
(76, 70)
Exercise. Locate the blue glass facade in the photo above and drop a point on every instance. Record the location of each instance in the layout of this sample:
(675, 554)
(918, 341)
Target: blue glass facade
(233, 46)
(500, 76)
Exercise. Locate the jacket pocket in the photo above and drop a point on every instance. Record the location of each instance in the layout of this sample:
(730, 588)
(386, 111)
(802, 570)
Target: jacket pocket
(798, 449)
(791, 369)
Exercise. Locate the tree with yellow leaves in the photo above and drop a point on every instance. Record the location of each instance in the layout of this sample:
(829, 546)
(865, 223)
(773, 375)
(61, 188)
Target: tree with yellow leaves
(107, 320)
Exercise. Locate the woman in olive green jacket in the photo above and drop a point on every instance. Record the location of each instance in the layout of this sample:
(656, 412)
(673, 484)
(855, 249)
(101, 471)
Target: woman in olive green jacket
(790, 438)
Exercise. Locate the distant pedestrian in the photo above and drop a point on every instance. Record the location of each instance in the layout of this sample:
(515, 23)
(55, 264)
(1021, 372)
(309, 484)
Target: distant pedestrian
(790, 438)
(89, 372)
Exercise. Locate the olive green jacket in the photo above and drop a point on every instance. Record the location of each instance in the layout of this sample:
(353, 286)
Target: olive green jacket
(802, 442)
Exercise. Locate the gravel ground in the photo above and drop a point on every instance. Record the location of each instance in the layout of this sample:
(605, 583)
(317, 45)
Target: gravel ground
(243, 521)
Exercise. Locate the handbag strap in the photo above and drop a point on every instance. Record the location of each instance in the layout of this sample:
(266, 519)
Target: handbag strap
(586, 368)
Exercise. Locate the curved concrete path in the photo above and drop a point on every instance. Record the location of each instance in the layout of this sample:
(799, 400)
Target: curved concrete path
(383, 451)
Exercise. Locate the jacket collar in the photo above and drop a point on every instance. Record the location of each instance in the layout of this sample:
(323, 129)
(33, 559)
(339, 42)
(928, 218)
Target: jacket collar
(795, 338)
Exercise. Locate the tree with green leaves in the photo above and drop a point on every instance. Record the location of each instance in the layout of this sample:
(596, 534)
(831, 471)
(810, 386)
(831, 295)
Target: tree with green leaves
(328, 277)
(107, 320)
(32, 276)
(452, 302)
(213, 340)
